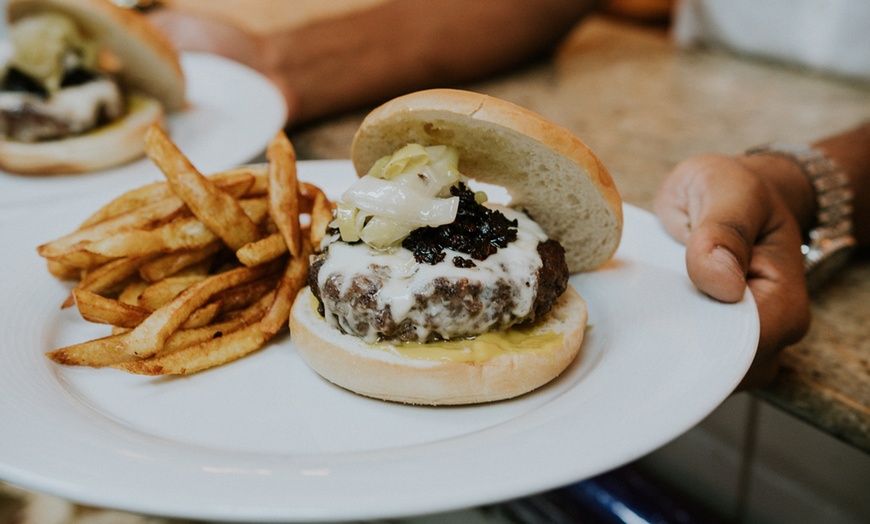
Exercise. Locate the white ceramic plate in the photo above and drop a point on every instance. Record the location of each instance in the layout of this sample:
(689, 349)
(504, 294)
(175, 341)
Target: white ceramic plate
(233, 113)
(265, 439)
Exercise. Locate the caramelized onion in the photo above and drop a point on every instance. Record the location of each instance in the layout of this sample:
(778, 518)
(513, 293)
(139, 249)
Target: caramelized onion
(401, 192)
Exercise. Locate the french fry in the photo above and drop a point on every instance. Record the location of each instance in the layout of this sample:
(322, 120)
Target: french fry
(294, 279)
(257, 209)
(321, 217)
(138, 218)
(170, 264)
(84, 260)
(284, 191)
(214, 207)
(244, 317)
(242, 296)
(149, 336)
(202, 316)
(101, 310)
(111, 274)
(159, 293)
(95, 353)
(129, 201)
(202, 269)
(193, 359)
(130, 293)
(263, 250)
(107, 276)
(237, 182)
(259, 174)
(186, 233)
(63, 271)
(109, 351)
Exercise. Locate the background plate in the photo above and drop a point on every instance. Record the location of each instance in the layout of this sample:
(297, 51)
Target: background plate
(233, 113)
(265, 439)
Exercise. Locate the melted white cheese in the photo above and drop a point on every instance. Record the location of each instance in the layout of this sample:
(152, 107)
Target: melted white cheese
(518, 264)
(76, 106)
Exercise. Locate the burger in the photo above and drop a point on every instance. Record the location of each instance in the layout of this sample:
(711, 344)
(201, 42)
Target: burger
(84, 80)
(423, 291)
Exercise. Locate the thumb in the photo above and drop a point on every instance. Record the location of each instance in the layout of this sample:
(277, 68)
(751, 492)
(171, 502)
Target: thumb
(721, 210)
(717, 256)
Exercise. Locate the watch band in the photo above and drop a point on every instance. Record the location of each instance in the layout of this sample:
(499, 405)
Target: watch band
(832, 232)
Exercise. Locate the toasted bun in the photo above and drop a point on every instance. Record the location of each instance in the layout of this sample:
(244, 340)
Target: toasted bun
(349, 362)
(149, 63)
(106, 146)
(547, 170)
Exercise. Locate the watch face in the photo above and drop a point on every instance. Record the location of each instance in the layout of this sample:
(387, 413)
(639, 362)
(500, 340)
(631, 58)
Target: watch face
(826, 265)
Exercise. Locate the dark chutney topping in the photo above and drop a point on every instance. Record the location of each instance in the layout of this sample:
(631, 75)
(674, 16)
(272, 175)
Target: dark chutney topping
(20, 82)
(77, 77)
(477, 231)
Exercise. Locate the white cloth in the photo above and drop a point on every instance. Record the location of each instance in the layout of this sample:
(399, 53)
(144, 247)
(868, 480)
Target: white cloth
(829, 35)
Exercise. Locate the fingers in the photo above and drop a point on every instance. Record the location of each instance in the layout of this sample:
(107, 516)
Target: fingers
(776, 278)
(739, 232)
(718, 210)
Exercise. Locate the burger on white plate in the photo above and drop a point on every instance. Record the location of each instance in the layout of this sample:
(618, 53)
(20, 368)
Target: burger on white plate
(85, 79)
(425, 293)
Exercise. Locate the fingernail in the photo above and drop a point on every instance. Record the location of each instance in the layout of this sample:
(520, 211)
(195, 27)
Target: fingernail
(726, 258)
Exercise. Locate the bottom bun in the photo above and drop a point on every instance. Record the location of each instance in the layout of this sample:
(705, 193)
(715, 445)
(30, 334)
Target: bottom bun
(113, 144)
(383, 371)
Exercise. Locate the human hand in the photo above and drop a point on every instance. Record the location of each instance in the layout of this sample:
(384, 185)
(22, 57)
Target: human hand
(739, 232)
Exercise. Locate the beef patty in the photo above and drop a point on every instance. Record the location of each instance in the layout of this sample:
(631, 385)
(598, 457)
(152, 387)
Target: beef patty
(378, 296)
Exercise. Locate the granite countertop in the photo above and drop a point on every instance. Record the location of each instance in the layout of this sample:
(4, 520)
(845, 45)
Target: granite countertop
(643, 105)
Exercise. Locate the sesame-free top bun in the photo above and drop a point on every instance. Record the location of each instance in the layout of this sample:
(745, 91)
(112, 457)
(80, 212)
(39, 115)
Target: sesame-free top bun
(149, 62)
(347, 361)
(547, 170)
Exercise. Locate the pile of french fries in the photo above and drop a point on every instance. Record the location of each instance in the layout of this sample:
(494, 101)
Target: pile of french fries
(193, 272)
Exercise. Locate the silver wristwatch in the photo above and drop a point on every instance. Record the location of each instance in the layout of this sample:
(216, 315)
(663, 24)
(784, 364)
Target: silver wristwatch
(828, 246)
